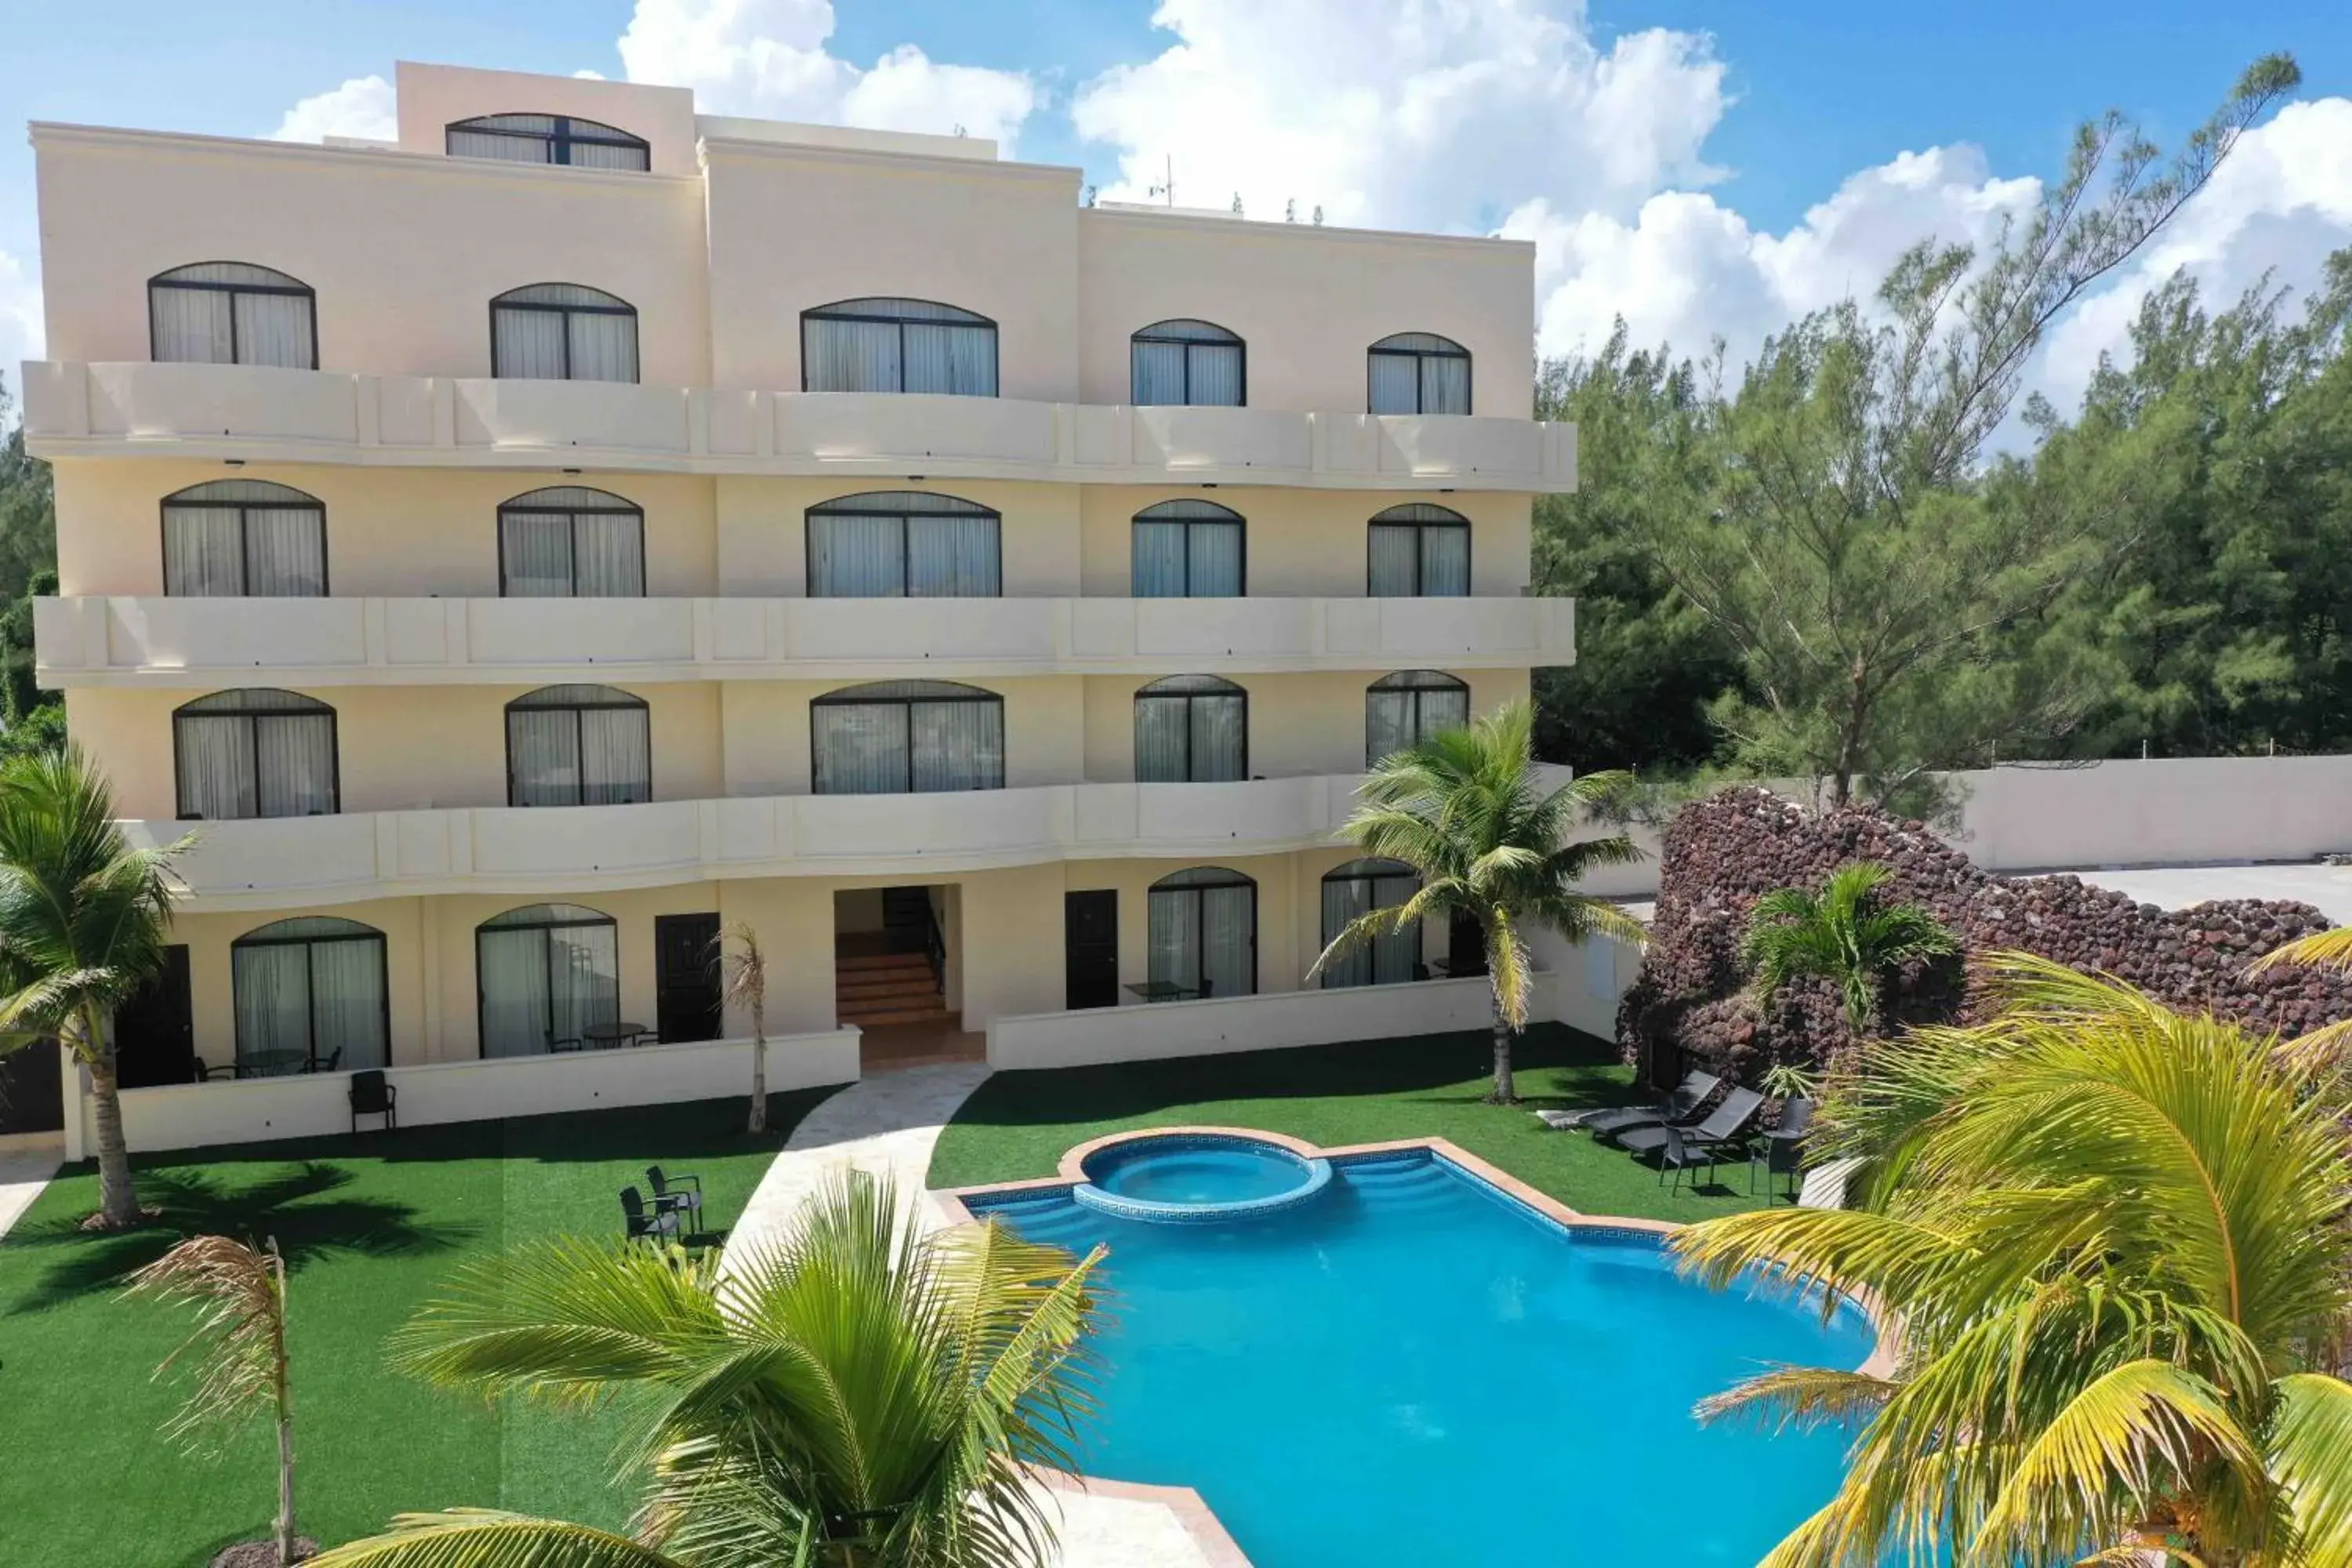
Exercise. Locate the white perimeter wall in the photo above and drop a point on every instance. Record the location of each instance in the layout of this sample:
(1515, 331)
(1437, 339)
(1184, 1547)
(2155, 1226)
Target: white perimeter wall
(251, 1110)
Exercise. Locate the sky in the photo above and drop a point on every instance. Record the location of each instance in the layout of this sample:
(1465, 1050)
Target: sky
(1705, 169)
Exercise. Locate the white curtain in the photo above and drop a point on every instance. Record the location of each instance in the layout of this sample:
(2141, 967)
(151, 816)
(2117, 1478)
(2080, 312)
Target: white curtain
(857, 555)
(616, 756)
(214, 756)
(1442, 710)
(1228, 941)
(286, 553)
(192, 326)
(204, 551)
(1174, 914)
(958, 359)
(297, 757)
(1213, 565)
(533, 142)
(1396, 383)
(583, 983)
(1384, 960)
(849, 356)
(1163, 740)
(1395, 556)
(1444, 384)
(1159, 553)
(272, 985)
(607, 156)
(1215, 375)
(1218, 744)
(513, 982)
(580, 756)
(957, 745)
(1445, 563)
(544, 751)
(535, 554)
(953, 558)
(604, 346)
(1157, 374)
(1387, 724)
(274, 329)
(861, 747)
(347, 1002)
(609, 554)
(528, 345)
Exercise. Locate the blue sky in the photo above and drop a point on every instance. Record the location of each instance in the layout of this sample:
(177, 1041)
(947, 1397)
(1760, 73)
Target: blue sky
(1672, 158)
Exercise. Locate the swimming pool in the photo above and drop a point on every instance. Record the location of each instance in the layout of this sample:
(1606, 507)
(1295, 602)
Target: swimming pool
(1415, 1368)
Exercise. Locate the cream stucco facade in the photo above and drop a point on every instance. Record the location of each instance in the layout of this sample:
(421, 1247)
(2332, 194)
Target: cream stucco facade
(400, 439)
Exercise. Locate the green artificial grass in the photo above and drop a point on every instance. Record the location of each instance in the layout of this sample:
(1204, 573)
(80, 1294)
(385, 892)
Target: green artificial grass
(370, 1227)
(1019, 1124)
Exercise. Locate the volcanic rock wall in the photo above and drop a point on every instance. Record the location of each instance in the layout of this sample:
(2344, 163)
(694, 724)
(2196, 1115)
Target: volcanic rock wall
(1691, 1004)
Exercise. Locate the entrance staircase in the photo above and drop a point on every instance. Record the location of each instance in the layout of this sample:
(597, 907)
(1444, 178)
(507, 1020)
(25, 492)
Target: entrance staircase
(875, 988)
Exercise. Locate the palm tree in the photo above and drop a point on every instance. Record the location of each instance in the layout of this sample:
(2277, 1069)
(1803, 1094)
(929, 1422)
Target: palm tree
(83, 917)
(1846, 935)
(856, 1393)
(1466, 810)
(239, 1294)
(2115, 1242)
(746, 986)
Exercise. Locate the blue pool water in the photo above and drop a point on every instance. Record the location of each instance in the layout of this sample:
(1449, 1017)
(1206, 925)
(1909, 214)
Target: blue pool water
(1414, 1370)
(1225, 1171)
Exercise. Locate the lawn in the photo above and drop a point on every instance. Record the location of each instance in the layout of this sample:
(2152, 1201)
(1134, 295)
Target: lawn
(370, 1228)
(1019, 1124)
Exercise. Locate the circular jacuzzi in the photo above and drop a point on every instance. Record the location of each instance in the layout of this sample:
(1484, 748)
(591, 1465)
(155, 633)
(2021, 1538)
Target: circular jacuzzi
(1197, 1177)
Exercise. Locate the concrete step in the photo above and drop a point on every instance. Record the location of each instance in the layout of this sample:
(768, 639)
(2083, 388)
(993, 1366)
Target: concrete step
(887, 990)
(864, 1017)
(863, 963)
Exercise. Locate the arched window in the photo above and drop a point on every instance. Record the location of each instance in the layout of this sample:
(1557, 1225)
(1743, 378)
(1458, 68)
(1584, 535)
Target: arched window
(891, 545)
(1190, 550)
(311, 994)
(1354, 890)
(907, 737)
(569, 541)
(1418, 551)
(562, 331)
(244, 539)
(1192, 729)
(897, 345)
(1203, 925)
(232, 312)
(547, 139)
(544, 974)
(256, 752)
(1409, 706)
(578, 745)
(1419, 373)
(1187, 362)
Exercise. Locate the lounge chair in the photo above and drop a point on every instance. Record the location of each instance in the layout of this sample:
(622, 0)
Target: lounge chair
(1724, 1125)
(681, 1194)
(1681, 1105)
(641, 1225)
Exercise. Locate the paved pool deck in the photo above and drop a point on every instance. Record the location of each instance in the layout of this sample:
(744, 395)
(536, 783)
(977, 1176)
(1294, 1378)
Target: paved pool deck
(24, 1170)
(889, 1123)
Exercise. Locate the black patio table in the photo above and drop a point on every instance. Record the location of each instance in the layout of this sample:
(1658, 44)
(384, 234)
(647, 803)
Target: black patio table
(1165, 991)
(604, 1037)
(270, 1064)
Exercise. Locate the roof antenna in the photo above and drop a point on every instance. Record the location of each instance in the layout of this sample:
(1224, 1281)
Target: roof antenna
(1168, 188)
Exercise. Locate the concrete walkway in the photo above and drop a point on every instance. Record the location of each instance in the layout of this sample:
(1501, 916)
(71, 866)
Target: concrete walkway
(890, 1124)
(24, 1170)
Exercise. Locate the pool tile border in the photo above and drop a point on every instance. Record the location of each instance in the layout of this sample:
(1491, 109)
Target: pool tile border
(1190, 1509)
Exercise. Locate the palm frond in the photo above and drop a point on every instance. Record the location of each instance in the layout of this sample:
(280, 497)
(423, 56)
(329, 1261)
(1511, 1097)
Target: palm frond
(239, 1341)
(2310, 1446)
(2321, 950)
(1799, 1398)
(489, 1538)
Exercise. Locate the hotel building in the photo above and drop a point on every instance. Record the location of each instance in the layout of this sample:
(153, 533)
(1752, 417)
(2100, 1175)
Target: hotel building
(521, 550)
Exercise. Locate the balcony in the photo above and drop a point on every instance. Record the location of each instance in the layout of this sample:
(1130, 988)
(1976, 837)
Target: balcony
(291, 862)
(259, 414)
(168, 642)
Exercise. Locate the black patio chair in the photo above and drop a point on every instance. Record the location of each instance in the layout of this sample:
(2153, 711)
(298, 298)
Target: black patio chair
(1781, 1152)
(1681, 1105)
(333, 1059)
(642, 1225)
(372, 1096)
(681, 1194)
(1726, 1125)
(1683, 1151)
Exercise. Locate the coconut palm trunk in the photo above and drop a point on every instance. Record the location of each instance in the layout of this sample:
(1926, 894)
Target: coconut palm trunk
(1507, 1088)
(117, 1195)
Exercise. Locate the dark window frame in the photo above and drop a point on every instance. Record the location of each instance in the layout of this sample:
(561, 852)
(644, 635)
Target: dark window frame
(1387, 520)
(623, 506)
(834, 313)
(835, 508)
(547, 950)
(1421, 682)
(580, 759)
(1233, 339)
(507, 302)
(1232, 690)
(1241, 589)
(254, 939)
(236, 355)
(559, 140)
(846, 697)
(243, 535)
(253, 737)
(1469, 388)
(1200, 913)
(1345, 873)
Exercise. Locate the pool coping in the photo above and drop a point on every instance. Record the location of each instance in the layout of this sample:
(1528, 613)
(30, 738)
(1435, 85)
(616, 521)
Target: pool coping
(1192, 1510)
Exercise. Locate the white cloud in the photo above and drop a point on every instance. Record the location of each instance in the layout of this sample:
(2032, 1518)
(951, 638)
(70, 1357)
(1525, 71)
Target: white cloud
(361, 106)
(769, 57)
(1403, 112)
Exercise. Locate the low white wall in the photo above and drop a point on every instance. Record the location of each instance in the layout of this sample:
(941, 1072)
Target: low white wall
(251, 1110)
(1224, 1024)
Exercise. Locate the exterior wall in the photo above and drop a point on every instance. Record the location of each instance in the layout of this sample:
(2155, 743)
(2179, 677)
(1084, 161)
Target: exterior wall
(1308, 301)
(405, 253)
(1300, 542)
(414, 532)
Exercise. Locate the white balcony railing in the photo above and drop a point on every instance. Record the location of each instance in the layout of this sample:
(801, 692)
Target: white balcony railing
(297, 416)
(94, 641)
(292, 861)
